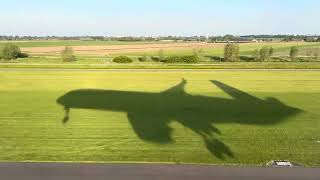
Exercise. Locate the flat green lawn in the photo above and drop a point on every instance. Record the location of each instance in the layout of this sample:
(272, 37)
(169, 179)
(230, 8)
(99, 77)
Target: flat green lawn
(221, 117)
(84, 64)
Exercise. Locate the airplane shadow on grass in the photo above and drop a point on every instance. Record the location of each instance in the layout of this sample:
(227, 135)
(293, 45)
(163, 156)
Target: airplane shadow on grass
(151, 113)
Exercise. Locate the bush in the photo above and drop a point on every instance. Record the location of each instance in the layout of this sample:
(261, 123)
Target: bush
(247, 58)
(182, 59)
(155, 59)
(122, 59)
(67, 54)
(10, 51)
(231, 52)
(173, 59)
(23, 55)
(143, 59)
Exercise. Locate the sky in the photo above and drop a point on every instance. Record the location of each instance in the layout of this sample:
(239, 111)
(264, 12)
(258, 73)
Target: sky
(158, 17)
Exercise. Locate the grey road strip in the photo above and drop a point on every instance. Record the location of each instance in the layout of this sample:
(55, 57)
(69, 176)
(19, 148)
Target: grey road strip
(60, 171)
(151, 70)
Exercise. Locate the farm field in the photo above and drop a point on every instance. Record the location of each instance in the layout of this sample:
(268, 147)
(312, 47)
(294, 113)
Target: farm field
(234, 117)
(55, 43)
(103, 52)
(152, 49)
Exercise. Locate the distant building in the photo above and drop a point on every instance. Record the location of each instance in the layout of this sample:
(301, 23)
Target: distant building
(257, 40)
(86, 39)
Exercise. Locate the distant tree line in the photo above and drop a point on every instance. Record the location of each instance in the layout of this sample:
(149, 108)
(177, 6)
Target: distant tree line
(225, 38)
(247, 38)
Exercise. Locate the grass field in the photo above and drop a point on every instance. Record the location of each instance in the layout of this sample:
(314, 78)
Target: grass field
(218, 65)
(54, 43)
(152, 48)
(218, 117)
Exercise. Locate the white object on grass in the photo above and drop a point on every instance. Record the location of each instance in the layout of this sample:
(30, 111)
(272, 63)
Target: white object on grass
(280, 163)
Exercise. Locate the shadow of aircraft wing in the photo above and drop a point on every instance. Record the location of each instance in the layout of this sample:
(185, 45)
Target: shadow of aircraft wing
(235, 93)
(218, 148)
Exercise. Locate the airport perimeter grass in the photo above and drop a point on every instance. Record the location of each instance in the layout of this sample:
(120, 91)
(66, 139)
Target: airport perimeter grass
(150, 65)
(214, 128)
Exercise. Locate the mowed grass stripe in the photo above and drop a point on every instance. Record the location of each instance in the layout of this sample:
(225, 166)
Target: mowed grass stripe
(31, 127)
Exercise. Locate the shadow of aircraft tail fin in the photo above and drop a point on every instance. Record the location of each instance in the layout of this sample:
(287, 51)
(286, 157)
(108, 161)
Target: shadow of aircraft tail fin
(235, 93)
(180, 88)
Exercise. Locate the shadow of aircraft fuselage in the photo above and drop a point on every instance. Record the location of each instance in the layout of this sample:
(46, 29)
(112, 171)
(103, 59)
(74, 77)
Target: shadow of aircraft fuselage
(151, 113)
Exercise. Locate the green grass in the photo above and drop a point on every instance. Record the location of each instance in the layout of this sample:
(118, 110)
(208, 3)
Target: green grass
(125, 117)
(222, 65)
(280, 49)
(54, 59)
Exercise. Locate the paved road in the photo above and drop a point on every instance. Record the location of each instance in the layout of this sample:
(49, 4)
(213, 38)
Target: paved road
(57, 171)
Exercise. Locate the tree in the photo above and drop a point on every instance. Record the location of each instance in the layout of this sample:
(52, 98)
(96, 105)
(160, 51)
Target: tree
(197, 52)
(231, 52)
(294, 51)
(10, 51)
(256, 55)
(316, 53)
(228, 37)
(271, 51)
(143, 58)
(67, 54)
(265, 53)
(161, 55)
